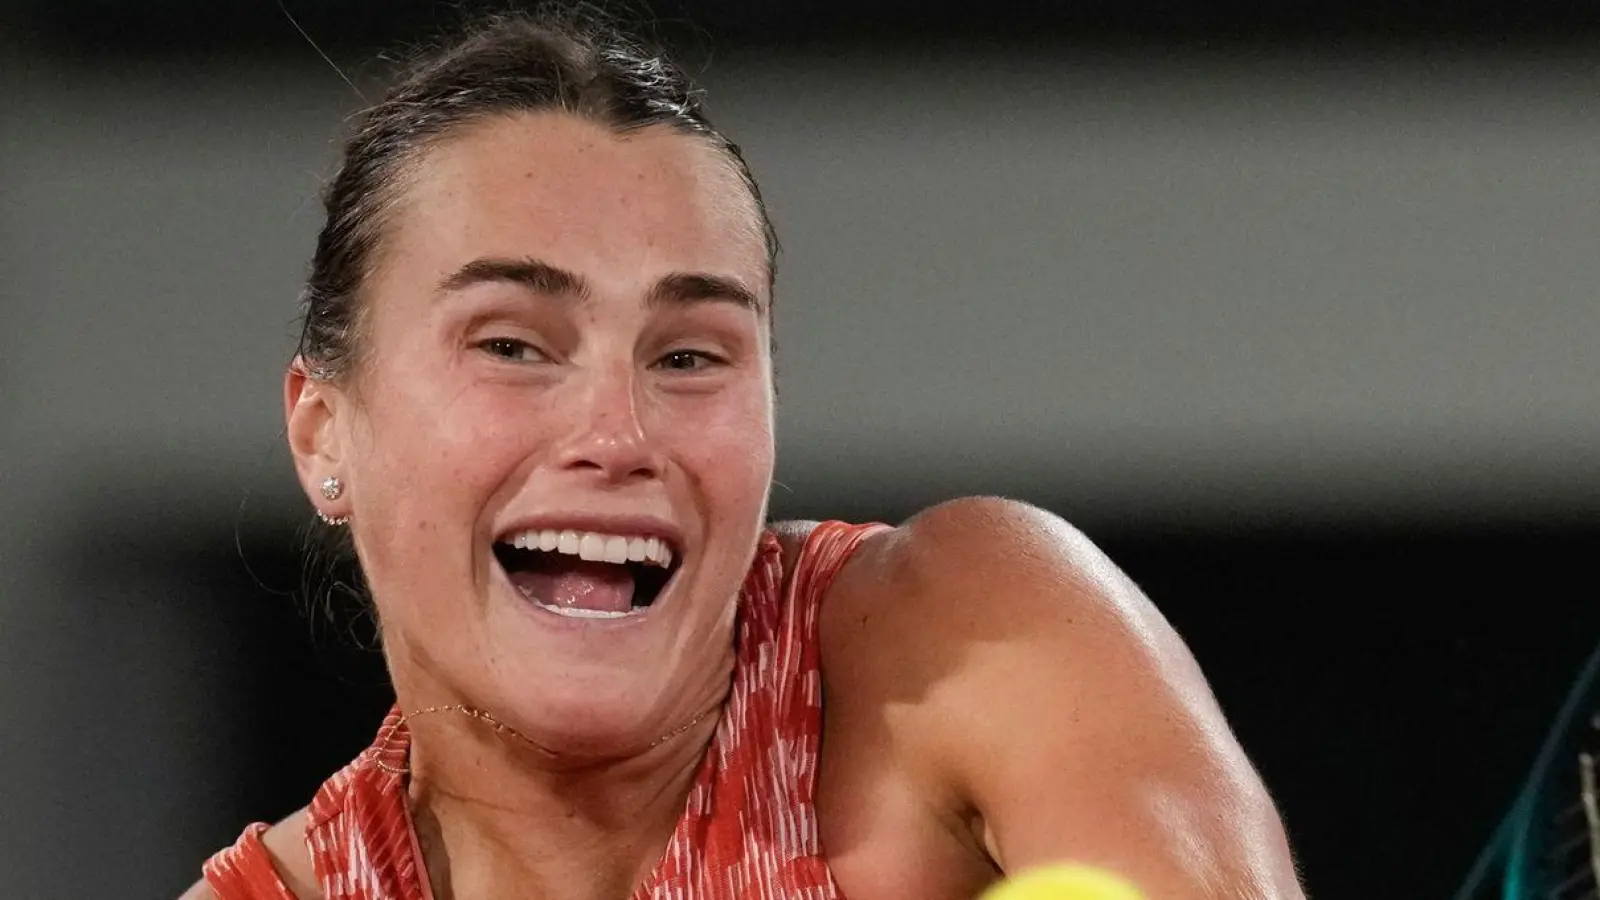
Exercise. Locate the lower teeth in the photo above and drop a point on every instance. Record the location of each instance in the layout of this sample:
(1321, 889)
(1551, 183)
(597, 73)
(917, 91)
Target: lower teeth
(578, 612)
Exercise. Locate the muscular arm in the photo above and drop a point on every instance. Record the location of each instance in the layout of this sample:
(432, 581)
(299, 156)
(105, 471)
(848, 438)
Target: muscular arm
(1041, 693)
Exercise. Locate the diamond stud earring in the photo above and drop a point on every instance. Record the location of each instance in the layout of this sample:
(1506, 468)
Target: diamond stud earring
(332, 489)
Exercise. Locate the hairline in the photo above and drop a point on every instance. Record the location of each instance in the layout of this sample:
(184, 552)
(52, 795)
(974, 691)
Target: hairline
(392, 189)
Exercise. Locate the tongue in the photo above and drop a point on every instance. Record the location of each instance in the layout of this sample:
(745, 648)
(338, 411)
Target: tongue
(580, 584)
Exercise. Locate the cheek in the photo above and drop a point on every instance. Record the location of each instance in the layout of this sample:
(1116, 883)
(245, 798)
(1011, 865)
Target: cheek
(729, 453)
(434, 459)
(430, 459)
(440, 431)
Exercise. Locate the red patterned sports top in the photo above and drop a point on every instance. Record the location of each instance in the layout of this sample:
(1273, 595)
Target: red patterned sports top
(748, 831)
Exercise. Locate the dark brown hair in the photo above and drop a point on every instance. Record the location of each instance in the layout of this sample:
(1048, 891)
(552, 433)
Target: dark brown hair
(577, 61)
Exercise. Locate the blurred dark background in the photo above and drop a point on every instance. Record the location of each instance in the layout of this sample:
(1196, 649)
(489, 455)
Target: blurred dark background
(1289, 306)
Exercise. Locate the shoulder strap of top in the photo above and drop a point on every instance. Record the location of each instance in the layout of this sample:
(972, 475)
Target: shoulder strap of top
(359, 831)
(363, 806)
(825, 551)
(245, 870)
(821, 557)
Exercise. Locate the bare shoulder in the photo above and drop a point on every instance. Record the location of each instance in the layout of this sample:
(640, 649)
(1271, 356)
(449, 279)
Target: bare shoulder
(285, 845)
(986, 572)
(926, 604)
(1034, 685)
(200, 891)
(968, 572)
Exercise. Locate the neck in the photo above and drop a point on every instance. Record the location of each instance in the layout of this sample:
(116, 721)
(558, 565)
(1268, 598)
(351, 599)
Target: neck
(497, 817)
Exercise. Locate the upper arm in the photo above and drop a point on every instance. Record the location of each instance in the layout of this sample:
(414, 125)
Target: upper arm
(272, 863)
(1055, 701)
(199, 891)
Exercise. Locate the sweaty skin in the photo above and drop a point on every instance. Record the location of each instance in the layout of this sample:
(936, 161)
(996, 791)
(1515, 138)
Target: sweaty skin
(996, 693)
(999, 695)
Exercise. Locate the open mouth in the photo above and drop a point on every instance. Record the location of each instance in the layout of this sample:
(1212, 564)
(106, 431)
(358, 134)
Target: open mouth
(589, 575)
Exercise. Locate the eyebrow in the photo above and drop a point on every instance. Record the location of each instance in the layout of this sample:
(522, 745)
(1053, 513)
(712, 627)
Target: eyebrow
(530, 273)
(697, 287)
(676, 288)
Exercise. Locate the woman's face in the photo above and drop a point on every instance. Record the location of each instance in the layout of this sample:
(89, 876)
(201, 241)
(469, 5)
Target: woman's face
(566, 343)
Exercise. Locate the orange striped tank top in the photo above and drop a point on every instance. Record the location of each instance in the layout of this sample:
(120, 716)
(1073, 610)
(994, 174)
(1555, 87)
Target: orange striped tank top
(748, 830)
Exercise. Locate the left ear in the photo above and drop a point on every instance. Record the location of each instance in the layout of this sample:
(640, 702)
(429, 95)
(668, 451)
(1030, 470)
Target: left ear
(311, 408)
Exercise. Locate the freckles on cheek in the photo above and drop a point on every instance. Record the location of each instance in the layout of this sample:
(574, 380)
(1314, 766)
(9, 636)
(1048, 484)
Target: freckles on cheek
(462, 436)
(733, 450)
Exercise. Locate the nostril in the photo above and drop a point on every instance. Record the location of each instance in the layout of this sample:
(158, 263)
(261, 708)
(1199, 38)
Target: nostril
(618, 456)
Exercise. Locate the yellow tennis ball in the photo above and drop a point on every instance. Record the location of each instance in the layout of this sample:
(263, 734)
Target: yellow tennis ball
(1063, 882)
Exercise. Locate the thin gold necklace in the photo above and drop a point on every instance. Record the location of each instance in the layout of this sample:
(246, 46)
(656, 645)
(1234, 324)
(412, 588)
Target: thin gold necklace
(504, 729)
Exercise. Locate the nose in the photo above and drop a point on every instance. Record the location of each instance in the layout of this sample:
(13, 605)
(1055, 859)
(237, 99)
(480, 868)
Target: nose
(609, 437)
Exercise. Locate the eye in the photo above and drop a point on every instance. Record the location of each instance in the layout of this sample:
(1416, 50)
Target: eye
(688, 361)
(512, 349)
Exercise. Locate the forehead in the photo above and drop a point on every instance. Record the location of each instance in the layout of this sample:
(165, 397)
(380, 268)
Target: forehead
(620, 209)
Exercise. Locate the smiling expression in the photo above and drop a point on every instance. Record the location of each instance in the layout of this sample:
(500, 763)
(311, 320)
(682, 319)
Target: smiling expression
(565, 330)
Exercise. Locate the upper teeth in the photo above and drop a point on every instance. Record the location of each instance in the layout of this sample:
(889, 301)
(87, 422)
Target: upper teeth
(590, 545)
